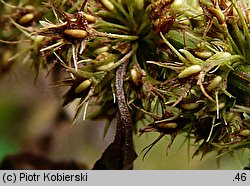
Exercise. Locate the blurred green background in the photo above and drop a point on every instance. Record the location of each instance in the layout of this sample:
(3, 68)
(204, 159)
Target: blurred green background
(29, 111)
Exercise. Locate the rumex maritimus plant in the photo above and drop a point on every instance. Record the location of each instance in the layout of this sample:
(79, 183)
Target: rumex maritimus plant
(175, 66)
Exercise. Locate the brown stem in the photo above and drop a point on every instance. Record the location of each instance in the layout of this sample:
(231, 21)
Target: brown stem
(120, 154)
(124, 126)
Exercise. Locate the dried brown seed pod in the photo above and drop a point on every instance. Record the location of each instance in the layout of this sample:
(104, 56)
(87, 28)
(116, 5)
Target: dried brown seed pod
(245, 133)
(190, 70)
(83, 86)
(76, 33)
(189, 106)
(167, 125)
(214, 83)
(27, 18)
(108, 4)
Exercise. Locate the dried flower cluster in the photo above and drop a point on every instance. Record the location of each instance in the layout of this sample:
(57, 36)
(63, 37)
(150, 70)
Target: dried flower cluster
(175, 66)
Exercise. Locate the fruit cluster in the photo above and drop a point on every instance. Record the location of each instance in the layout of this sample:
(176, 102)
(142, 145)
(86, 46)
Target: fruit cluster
(188, 62)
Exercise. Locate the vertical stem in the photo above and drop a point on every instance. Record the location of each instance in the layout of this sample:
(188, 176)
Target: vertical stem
(120, 154)
(124, 129)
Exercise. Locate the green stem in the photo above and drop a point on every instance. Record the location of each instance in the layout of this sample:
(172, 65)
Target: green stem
(239, 37)
(245, 28)
(110, 16)
(236, 50)
(243, 109)
(174, 50)
(125, 58)
(120, 7)
(104, 24)
(142, 26)
(115, 36)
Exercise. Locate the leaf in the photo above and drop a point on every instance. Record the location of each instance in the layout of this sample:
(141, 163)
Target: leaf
(119, 155)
